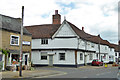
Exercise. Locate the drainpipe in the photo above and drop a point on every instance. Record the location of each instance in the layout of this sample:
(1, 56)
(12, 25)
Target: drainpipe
(76, 58)
(76, 54)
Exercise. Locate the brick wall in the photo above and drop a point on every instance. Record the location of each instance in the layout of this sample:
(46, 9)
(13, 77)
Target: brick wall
(6, 36)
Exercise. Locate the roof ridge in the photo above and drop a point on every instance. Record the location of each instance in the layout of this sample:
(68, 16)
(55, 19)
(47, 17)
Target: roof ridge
(10, 16)
(41, 25)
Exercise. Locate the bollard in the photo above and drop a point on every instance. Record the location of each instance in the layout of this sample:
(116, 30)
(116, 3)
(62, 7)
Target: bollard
(105, 65)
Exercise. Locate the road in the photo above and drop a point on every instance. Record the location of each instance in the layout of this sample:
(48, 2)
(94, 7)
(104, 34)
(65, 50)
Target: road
(87, 72)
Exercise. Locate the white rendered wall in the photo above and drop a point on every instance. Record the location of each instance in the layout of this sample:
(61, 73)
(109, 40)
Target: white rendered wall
(69, 57)
(55, 43)
(78, 58)
(36, 58)
(65, 30)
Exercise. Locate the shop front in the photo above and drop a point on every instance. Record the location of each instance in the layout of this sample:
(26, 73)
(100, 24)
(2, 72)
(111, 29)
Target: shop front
(13, 60)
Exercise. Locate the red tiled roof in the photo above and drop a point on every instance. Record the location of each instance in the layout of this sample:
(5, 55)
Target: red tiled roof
(42, 31)
(89, 37)
(48, 30)
(116, 47)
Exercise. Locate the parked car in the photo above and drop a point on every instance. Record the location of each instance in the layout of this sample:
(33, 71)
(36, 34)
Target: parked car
(96, 62)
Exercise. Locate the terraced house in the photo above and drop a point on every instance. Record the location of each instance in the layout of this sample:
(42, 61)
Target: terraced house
(65, 44)
(10, 40)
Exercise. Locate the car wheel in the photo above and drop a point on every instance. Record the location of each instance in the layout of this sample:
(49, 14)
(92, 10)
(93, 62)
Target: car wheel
(102, 64)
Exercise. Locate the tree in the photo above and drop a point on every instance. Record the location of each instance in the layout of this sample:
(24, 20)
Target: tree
(5, 52)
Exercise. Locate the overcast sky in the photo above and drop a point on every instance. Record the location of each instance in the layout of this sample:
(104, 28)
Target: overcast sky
(96, 16)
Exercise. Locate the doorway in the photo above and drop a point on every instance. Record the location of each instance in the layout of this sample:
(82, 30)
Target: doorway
(26, 59)
(85, 60)
(50, 60)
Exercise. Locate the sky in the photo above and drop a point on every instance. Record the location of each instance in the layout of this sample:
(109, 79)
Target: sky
(96, 16)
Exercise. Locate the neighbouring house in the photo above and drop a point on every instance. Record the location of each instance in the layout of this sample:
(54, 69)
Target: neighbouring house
(117, 51)
(10, 40)
(65, 44)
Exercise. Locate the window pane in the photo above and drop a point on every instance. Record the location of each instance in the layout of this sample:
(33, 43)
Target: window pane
(44, 41)
(90, 57)
(14, 40)
(43, 55)
(62, 56)
(81, 56)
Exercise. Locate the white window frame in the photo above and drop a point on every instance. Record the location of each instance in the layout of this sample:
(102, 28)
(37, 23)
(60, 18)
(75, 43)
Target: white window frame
(44, 55)
(11, 40)
(45, 42)
(105, 47)
(81, 56)
(92, 45)
(60, 56)
(90, 56)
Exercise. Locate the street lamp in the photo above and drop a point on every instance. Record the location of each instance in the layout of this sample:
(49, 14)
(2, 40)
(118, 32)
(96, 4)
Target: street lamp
(99, 46)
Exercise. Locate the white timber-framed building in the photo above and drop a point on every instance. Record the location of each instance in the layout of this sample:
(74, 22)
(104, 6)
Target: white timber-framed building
(64, 44)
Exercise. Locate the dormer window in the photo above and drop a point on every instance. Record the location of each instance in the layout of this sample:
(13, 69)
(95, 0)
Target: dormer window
(44, 41)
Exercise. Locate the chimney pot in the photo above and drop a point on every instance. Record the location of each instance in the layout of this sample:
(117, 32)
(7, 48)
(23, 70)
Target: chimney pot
(83, 28)
(56, 12)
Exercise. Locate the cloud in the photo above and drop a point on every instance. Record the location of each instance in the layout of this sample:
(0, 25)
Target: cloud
(96, 16)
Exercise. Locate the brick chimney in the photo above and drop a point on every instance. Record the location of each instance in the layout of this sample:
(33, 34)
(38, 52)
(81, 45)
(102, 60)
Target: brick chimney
(56, 19)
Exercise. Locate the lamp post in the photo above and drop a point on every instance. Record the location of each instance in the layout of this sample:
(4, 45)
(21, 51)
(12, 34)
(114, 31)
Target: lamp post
(99, 46)
(85, 53)
(20, 71)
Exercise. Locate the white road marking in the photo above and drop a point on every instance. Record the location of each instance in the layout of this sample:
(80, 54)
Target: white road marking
(103, 73)
(51, 75)
(85, 77)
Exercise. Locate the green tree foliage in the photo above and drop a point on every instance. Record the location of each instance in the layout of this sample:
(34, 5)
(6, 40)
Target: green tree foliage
(4, 51)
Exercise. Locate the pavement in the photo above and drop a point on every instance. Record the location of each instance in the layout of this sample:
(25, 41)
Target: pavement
(31, 74)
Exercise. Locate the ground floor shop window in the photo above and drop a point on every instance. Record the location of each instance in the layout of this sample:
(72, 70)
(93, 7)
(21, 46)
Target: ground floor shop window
(62, 56)
(15, 57)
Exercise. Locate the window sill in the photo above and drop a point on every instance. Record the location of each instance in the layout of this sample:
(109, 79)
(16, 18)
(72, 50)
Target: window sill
(14, 45)
(62, 60)
(44, 44)
(43, 60)
(81, 60)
